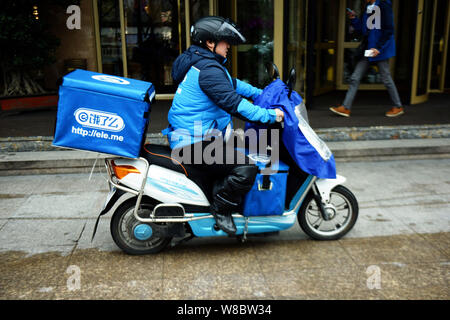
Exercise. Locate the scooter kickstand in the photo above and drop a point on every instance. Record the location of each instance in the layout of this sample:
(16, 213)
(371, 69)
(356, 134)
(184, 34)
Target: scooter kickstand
(184, 239)
(244, 236)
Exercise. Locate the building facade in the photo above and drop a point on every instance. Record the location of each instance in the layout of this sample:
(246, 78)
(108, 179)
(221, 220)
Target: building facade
(141, 38)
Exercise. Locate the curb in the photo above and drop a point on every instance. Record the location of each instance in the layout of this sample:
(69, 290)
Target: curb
(42, 143)
(70, 161)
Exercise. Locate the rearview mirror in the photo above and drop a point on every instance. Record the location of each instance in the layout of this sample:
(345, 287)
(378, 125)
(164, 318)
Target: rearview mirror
(272, 70)
(291, 81)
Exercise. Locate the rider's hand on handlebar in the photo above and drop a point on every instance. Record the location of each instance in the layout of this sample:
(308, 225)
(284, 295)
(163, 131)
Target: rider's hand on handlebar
(280, 115)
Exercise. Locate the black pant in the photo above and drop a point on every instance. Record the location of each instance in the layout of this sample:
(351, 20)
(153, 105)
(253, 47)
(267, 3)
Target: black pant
(231, 172)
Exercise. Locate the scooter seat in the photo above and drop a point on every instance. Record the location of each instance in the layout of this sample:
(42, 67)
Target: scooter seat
(162, 156)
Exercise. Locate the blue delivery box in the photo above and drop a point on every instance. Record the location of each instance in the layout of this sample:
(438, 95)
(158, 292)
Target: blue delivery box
(103, 113)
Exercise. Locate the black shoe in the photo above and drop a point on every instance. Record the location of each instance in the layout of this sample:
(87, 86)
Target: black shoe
(225, 223)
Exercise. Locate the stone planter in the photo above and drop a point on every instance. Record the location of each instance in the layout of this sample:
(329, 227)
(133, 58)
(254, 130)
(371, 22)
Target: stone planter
(28, 102)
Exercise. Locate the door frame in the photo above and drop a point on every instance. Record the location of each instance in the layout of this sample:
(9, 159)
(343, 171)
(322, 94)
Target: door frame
(441, 88)
(415, 99)
(318, 47)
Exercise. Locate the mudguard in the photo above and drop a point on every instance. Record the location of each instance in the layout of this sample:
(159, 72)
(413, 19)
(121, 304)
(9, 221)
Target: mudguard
(113, 196)
(326, 185)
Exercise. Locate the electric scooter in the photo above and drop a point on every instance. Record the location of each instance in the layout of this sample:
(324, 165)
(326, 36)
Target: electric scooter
(170, 202)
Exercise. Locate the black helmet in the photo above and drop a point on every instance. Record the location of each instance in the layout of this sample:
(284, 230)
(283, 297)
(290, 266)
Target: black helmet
(216, 29)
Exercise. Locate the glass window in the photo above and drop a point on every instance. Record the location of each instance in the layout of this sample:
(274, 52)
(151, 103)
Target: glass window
(152, 40)
(439, 43)
(110, 37)
(256, 20)
(357, 6)
(198, 9)
(327, 68)
(328, 20)
(405, 40)
(296, 41)
(425, 43)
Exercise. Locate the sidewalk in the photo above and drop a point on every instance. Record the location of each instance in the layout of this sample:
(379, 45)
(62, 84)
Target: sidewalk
(68, 161)
(398, 249)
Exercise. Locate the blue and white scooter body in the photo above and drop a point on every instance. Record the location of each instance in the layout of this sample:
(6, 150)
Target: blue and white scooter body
(170, 188)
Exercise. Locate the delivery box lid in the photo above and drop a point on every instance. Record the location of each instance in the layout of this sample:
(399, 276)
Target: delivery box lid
(108, 84)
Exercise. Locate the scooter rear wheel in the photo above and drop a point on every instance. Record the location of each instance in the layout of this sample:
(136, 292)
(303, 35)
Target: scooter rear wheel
(124, 225)
(343, 210)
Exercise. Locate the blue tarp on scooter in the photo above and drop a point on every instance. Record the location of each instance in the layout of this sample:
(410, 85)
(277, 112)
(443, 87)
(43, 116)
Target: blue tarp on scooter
(308, 151)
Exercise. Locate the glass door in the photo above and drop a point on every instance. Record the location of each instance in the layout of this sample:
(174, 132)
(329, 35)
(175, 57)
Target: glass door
(194, 10)
(140, 39)
(325, 48)
(256, 19)
(349, 41)
(153, 41)
(440, 46)
(296, 42)
(109, 44)
(426, 15)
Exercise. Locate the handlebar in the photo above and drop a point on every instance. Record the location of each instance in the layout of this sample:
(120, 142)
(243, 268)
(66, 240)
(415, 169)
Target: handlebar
(274, 74)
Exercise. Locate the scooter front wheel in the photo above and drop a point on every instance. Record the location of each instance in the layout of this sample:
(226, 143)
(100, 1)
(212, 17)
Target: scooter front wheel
(133, 236)
(342, 211)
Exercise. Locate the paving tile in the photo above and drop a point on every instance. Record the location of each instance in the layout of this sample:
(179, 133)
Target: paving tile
(292, 255)
(401, 248)
(103, 240)
(209, 259)
(424, 217)
(338, 282)
(417, 281)
(37, 236)
(114, 290)
(246, 285)
(73, 183)
(33, 277)
(9, 206)
(62, 206)
(24, 185)
(440, 241)
(99, 267)
(375, 222)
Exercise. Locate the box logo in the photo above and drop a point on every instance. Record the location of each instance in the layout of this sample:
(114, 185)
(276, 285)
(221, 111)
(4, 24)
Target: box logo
(111, 79)
(99, 119)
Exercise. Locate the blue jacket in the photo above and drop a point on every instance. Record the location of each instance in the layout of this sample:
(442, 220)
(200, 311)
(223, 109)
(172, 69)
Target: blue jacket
(207, 97)
(381, 39)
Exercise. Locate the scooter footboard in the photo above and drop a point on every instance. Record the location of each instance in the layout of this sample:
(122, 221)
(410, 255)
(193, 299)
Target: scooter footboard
(244, 225)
